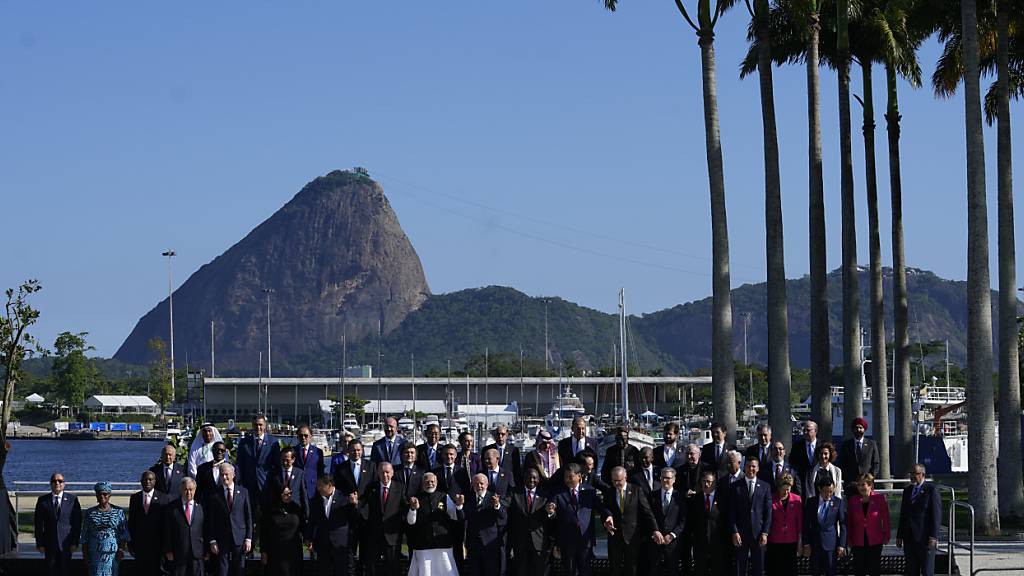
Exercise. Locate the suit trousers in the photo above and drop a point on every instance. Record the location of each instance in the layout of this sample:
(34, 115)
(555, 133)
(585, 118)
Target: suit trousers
(661, 560)
(920, 558)
(531, 563)
(484, 560)
(231, 561)
(750, 549)
(380, 558)
(58, 564)
(780, 558)
(823, 562)
(622, 556)
(149, 563)
(867, 560)
(687, 554)
(188, 567)
(577, 561)
(331, 560)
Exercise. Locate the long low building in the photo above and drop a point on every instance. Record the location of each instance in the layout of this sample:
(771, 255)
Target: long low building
(297, 399)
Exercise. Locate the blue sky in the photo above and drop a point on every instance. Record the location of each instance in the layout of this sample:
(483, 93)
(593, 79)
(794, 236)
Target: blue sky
(550, 146)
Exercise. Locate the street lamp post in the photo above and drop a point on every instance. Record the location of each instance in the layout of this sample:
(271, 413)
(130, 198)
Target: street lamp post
(170, 312)
(268, 292)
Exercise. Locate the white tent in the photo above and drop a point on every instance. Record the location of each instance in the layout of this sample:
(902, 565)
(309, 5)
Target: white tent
(122, 404)
(34, 399)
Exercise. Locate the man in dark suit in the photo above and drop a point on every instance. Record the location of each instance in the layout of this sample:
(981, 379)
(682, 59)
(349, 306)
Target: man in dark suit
(486, 522)
(256, 458)
(447, 471)
(428, 454)
(858, 455)
(762, 450)
(509, 457)
(529, 532)
(707, 527)
(589, 474)
(802, 456)
(713, 454)
(750, 518)
(646, 476)
(621, 454)
(331, 515)
(569, 448)
(309, 458)
(691, 471)
(668, 454)
(354, 476)
(409, 474)
(388, 448)
(229, 513)
(208, 473)
(918, 531)
(183, 533)
(628, 521)
(778, 467)
(382, 509)
(58, 526)
(287, 475)
(669, 508)
(573, 510)
(168, 473)
(498, 480)
(824, 529)
(146, 525)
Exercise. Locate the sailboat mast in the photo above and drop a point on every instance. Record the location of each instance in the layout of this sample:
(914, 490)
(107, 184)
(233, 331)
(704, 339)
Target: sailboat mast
(622, 352)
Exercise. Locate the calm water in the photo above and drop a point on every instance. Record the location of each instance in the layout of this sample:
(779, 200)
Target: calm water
(91, 461)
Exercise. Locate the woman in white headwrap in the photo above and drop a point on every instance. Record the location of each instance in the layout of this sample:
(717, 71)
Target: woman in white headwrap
(201, 450)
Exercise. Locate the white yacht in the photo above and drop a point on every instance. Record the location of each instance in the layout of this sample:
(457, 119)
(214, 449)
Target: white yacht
(566, 407)
(350, 424)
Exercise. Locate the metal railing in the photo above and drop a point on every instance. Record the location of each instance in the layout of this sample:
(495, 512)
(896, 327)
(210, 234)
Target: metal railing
(952, 543)
(31, 494)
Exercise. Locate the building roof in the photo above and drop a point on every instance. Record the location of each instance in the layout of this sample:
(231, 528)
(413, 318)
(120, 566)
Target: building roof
(35, 398)
(122, 401)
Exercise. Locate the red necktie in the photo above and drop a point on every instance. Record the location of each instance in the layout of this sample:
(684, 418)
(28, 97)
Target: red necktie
(188, 513)
(707, 502)
(384, 499)
(305, 454)
(145, 503)
(231, 499)
(529, 500)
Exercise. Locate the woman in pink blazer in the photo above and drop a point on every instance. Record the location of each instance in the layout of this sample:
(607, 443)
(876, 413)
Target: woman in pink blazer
(784, 534)
(867, 523)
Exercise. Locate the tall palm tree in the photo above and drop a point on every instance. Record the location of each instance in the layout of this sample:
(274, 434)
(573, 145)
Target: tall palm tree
(724, 387)
(980, 410)
(779, 383)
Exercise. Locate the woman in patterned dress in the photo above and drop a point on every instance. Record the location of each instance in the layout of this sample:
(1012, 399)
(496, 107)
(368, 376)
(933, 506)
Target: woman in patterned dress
(104, 534)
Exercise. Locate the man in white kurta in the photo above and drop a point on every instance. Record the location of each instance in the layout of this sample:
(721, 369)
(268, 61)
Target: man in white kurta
(433, 518)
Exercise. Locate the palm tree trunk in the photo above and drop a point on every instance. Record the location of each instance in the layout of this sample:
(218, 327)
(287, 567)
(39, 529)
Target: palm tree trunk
(853, 404)
(821, 390)
(723, 378)
(879, 386)
(1011, 495)
(779, 402)
(904, 431)
(981, 461)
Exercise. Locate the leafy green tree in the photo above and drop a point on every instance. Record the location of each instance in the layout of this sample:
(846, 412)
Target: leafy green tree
(72, 372)
(159, 374)
(16, 344)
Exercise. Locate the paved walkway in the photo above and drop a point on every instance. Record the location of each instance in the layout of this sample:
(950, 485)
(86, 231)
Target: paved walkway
(993, 558)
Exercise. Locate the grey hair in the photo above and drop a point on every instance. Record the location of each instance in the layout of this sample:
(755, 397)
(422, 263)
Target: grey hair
(226, 467)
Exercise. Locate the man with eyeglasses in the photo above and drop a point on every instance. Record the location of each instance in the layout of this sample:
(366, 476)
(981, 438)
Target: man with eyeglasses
(309, 458)
(918, 531)
(58, 526)
(169, 473)
(208, 473)
(509, 458)
(778, 467)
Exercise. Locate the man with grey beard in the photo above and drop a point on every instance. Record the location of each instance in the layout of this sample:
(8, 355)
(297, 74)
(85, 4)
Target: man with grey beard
(433, 519)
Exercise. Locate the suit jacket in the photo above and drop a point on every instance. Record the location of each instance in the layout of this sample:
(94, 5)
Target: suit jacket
(787, 520)
(173, 490)
(920, 517)
(689, 478)
(633, 518)
(876, 523)
(146, 529)
(183, 539)
(812, 477)
(709, 528)
(312, 466)
(382, 524)
(58, 532)
(205, 481)
(678, 457)
(229, 527)
(472, 459)
(423, 456)
(769, 476)
(671, 520)
(750, 516)
(754, 450)
(330, 531)
(574, 523)
(297, 483)
(502, 485)
(851, 465)
(485, 526)
(254, 466)
(443, 485)
(379, 451)
(510, 460)
(413, 484)
(707, 456)
(639, 479)
(829, 534)
(626, 456)
(345, 480)
(529, 526)
(565, 455)
(798, 457)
